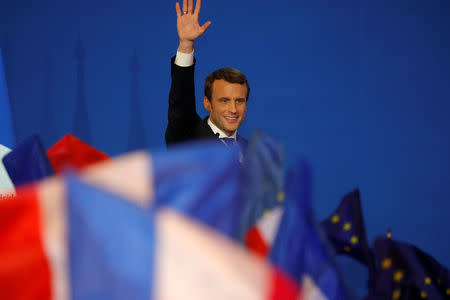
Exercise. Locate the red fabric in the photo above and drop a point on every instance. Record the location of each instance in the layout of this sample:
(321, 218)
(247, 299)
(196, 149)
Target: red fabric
(255, 242)
(24, 269)
(71, 152)
(283, 287)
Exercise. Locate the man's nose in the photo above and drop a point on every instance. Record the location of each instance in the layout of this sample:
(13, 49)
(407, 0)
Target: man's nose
(232, 106)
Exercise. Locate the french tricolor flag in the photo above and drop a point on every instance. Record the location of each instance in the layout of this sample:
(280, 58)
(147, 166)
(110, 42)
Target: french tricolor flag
(101, 235)
(260, 237)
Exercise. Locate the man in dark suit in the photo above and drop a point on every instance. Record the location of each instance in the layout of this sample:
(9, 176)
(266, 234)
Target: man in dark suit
(226, 90)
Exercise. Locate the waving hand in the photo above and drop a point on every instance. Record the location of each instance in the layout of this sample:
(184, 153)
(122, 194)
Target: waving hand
(187, 25)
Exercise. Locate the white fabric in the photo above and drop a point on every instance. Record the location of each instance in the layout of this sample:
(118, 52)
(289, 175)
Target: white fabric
(184, 59)
(216, 131)
(109, 175)
(310, 290)
(268, 225)
(54, 235)
(6, 185)
(194, 262)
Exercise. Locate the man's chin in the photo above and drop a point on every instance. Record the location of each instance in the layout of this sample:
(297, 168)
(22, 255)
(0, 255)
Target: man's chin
(231, 131)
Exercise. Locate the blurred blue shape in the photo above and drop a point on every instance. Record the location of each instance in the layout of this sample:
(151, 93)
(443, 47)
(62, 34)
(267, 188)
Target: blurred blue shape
(403, 271)
(136, 132)
(111, 245)
(28, 162)
(7, 136)
(263, 178)
(202, 180)
(300, 248)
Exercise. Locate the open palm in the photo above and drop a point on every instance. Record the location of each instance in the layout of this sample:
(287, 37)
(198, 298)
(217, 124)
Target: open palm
(187, 21)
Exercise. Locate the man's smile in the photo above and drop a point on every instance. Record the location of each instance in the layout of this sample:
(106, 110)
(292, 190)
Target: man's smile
(231, 119)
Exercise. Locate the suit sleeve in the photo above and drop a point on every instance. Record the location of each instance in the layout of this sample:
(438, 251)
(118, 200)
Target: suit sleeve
(182, 115)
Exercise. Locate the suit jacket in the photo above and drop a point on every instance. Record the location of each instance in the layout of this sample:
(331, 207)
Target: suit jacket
(184, 124)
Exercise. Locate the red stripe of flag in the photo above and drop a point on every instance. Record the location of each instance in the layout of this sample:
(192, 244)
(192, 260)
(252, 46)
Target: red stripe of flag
(24, 269)
(282, 287)
(255, 243)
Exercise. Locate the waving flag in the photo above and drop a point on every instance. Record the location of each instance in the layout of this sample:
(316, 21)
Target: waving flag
(346, 230)
(94, 244)
(263, 186)
(260, 237)
(300, 248)
(405, 272)
(202, 180)
(71, 152)
(7, 136)
(27, 162)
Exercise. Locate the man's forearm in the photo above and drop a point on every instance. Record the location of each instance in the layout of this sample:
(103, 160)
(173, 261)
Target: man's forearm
(186, 46)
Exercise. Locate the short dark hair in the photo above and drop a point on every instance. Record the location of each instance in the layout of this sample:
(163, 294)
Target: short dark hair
(228, 74)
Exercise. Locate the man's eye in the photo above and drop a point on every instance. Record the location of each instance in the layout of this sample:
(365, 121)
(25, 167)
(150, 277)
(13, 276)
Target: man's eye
(223, 100)
(240, 100)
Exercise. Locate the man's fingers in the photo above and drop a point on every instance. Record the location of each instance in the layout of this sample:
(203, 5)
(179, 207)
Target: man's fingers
(185, 6)
(197, 6)
(205, 26)
(190, 6)
(177, 8)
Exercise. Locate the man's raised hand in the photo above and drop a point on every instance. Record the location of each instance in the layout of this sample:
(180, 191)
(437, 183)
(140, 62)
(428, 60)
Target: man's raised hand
(187, 25)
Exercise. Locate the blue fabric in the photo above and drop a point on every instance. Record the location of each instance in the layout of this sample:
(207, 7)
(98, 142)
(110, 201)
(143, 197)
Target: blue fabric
(229, 141)
(27, 162)
(203, 181)
(7, 137)
(300, 248)
(349, 213)
(263, 178)
(111, 245)
(415, 266)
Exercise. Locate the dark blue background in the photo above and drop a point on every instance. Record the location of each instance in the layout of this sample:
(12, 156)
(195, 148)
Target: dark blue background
(360, 88)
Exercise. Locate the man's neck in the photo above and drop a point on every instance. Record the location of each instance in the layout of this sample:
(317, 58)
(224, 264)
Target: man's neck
(222, 134)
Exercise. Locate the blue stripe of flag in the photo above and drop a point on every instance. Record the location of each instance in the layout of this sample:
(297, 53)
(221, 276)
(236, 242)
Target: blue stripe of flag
(111, 245)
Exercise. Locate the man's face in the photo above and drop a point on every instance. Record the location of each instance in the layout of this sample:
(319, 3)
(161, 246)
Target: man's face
(228, 105)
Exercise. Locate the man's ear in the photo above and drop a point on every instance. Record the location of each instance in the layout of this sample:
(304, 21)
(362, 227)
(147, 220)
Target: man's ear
(207, 104)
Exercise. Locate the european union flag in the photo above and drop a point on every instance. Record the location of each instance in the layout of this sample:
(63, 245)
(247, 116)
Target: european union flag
(405, 272)
(7, 137)
(346, 230)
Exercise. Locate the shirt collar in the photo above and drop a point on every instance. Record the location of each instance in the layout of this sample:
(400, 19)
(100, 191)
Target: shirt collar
(216, 131)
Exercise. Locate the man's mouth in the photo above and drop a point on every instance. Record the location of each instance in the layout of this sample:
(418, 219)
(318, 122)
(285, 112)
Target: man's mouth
(231, 119)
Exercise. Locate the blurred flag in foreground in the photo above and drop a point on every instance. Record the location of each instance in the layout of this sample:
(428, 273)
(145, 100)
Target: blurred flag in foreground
(300, 248)
(27, 162)
(7, 137)
(202, 180)
(70, 239)
(262, 188)
(71, 152)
